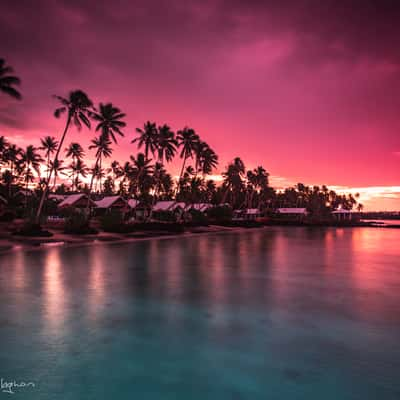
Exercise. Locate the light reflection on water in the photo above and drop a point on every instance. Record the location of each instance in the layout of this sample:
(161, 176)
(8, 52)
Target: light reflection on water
(300, 313)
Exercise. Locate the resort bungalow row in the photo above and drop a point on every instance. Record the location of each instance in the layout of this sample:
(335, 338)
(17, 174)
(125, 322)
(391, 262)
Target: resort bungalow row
(136, 210)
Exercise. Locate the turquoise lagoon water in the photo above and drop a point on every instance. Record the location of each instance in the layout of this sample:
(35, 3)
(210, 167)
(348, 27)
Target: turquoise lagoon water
(277, 313)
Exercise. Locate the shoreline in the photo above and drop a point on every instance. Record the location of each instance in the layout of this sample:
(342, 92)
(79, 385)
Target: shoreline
(60, 239)
(69, 241)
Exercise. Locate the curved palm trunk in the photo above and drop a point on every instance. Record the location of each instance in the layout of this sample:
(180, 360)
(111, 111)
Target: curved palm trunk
(100, 166)
(46, 188)
(48, 165)
(178, 188)
(225, 195)
(153, 201)
(91, 185)
(73, 172)
(26, 188)
(55, 180)
(156, 191)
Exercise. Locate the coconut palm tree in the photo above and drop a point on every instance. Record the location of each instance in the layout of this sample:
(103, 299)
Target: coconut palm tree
(98, 173)
(141, 170)
(78, 169)
(8, 179)
(49, 145)
(115, 168)
(186, 140)
(261, 183)
(102, 144)
(166, 145)
(3, 148)
(166, 183)
(147, 138)
(109, 121)
(77, 106)
(233, 180)
(30, 160)
(74, 150)
(58, 169)
(11, 156)
(8, 82)
(208, 160)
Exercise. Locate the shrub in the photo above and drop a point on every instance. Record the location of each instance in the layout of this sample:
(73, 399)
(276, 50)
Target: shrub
(8, 216)
(165, 216)
(31, 228)
(197, 217)
(220, 213)
(113, 222)
(78, 223)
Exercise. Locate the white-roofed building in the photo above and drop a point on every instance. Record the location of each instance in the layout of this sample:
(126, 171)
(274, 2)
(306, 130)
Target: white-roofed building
(57, 198)
(293, 211)
(202, 207)
(112, 202)
(247, 214)
(78, 200)
(345, 215)
(168, 205)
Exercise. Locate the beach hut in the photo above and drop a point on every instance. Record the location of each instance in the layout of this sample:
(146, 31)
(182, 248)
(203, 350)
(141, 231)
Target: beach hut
(110, 203)
(345, 215)
(202, 207)
(248, 214)
(292, 213)
(57, 198)
(162, 208)
(78, 200)
(252, 214)
(167, 205)
(138, 210)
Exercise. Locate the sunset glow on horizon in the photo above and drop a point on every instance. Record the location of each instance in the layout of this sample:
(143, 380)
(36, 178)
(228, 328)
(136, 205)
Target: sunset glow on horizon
(310, 91)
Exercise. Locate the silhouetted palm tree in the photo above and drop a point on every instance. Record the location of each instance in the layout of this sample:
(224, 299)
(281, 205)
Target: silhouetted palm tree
(58, 169)
(147, 139)
(102, 144)
(208, 160)
(233, 180)
(77, 106)
(141, 170)
(166, 145)
(30, 159)
(7, 81)
(49, 145)
(186, 140)
(78, 169)
(3, 148)
(109, 119)
(75, 151)
(11, 156)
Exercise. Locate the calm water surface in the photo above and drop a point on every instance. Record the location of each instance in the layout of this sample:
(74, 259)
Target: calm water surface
(279, 313)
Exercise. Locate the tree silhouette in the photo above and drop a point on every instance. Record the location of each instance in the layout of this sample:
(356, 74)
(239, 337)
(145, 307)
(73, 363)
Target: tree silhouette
(77, 106)
(8, 82)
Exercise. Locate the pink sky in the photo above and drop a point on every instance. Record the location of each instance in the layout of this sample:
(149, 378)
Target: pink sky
(310, 91)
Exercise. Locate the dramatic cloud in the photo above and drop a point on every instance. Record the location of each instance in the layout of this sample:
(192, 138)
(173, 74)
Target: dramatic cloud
(310, 89)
